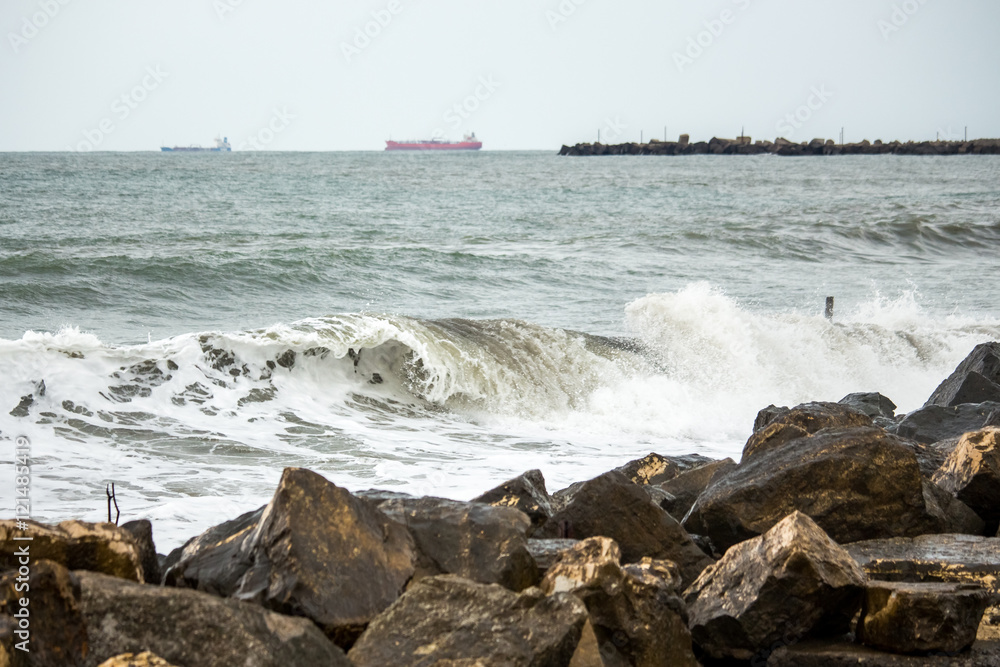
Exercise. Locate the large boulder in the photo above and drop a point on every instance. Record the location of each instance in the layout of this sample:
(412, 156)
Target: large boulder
(975, 380)
(684, 489)
(834, 653)
(964, 559)
(527, 493)
(320, 552)
(856, 483)
(447, 620)
(481, 542)
(195, 629)
(934, 423)
(635, 613)
(611, 506)
(921, 617)
(800, 421)
(76, 545)
(215, 561)
(793, 580)
(49, 629)
(873, 404)
(142, 531)
(972, 473)
(655, 469)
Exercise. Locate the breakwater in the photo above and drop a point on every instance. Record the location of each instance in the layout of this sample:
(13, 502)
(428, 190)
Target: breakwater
(784, 147)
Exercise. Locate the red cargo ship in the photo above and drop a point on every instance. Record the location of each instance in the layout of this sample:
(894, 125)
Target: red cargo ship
(469, 143)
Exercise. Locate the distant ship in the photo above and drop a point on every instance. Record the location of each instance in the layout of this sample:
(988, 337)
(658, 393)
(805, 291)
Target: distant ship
(221, 146)
(469, 143)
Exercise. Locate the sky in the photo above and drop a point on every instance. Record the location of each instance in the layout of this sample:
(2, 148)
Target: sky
(306, 75)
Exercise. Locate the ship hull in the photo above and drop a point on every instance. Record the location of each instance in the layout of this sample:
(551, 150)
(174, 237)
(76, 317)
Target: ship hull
(433, 146)
(192, 149)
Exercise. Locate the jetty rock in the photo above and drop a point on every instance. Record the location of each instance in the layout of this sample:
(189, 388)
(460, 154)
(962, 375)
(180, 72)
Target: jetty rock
(784, 147)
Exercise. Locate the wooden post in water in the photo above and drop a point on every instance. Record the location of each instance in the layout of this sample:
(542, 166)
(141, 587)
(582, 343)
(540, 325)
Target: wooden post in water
(829, 307)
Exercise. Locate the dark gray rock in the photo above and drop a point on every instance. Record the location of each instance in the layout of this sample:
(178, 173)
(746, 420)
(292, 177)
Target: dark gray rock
(904, 617)
(527, 493)
(56, 635)
(447, 620)
(195, 629)
(792, 580)
(684, 489)
(856, 483)
(975, 380)
(480, 542)
(803, 420)
(768, 415)
(935, 423)
(215, 561)
(547, 551)
(872, 404)
(635, 613)
(972, 473)
(322, 553)
(843, 653)
(142, 531)
(611, 506)
(655, 469)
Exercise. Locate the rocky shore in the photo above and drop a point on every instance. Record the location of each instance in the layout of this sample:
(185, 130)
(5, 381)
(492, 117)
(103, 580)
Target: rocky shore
(845, 535)
(784, 147)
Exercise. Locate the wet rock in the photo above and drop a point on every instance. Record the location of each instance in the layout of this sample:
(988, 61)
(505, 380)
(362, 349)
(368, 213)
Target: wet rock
(144, 659)
(635, 614)
(684, 489)
(447, 620)
(872, 404)
(527, 493)
(480, 542)
(286, 359)
(993, 419)
(76, 545)
(975, 380)
(962, 559)
(56, 634)
(956, 516)
(320, 552)
(793, 580)
(655, 469)
(215, 561)
(611, 506)
(142, 531)
(856, 483)
(195, 629)
(934, 423)
(800, 421)
(768, 415)
(843, 653)
(921, 617)
(972, 473)
(546, 552)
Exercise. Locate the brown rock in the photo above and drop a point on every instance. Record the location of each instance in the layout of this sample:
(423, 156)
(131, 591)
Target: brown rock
(56, 635)
(793, 580)
(972, 473)
(833, 653)
(684, 489)
(921, 617)
(800, 421)
(76, 545)
(144, 659)
(215, 561)
(527, 493)
(142, 531)
(654, 469)
(447, 620)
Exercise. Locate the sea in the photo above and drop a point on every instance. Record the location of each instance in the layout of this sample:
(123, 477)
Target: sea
(186, 326)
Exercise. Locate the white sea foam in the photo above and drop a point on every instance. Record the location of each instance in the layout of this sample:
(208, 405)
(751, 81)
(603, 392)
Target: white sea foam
(196, 428)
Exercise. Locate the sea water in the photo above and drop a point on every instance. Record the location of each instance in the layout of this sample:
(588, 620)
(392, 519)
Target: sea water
(186, 326)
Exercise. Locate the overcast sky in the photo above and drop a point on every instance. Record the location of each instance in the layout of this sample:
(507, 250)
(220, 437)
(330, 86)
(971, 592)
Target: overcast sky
(522, 74)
